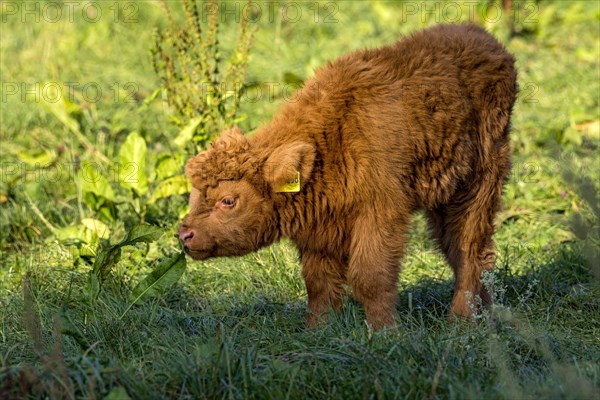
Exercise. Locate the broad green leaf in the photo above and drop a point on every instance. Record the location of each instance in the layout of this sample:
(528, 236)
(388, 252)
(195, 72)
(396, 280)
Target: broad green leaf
(142, 233)
(105, 259)
(168, 165)
(53, 98)
(86, 250)
(175, 185)
(186, 134)
(75, 234)
(58, 104)
(98, 227)
(109, 256)
(132, 164)
(163, 277)
(84, 241)
(100, 205)
(92, 181)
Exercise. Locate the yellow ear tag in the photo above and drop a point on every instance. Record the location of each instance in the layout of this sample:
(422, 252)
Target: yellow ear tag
(292, 186)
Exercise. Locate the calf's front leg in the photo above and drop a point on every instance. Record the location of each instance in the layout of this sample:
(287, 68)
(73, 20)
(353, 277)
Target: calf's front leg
(324, 277)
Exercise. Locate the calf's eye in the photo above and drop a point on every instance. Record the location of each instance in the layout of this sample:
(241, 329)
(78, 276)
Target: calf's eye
(228, 202)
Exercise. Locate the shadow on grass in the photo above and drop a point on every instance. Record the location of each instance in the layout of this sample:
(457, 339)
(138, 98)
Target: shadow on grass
(540, 341)
(562, 285)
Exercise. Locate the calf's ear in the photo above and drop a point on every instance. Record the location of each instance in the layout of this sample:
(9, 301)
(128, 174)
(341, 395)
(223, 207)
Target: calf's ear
(289, 167)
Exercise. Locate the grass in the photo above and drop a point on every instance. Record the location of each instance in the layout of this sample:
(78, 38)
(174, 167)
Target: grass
(234, 328)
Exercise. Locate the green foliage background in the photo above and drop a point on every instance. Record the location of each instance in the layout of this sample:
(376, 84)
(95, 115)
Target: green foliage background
(78, 174)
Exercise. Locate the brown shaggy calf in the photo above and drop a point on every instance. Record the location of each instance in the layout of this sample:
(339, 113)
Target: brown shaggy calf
(374, 136)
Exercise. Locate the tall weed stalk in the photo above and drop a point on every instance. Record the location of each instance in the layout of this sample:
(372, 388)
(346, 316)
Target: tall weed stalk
(202, 90)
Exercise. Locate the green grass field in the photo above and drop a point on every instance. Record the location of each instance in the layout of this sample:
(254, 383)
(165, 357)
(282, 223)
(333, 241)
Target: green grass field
(235, 328)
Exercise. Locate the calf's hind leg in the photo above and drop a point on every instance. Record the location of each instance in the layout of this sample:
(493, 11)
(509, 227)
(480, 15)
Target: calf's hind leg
(375, 254)
(464, 228)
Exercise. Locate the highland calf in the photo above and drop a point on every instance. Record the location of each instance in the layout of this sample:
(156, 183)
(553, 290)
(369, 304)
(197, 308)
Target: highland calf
(374, 136)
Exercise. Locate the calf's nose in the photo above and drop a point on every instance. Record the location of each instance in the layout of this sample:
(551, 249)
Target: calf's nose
(185, 234)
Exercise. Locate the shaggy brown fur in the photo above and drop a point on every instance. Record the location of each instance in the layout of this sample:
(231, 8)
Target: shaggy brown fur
(376, 135)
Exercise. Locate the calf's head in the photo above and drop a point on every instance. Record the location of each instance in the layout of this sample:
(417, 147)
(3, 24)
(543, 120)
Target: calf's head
(236, 194)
